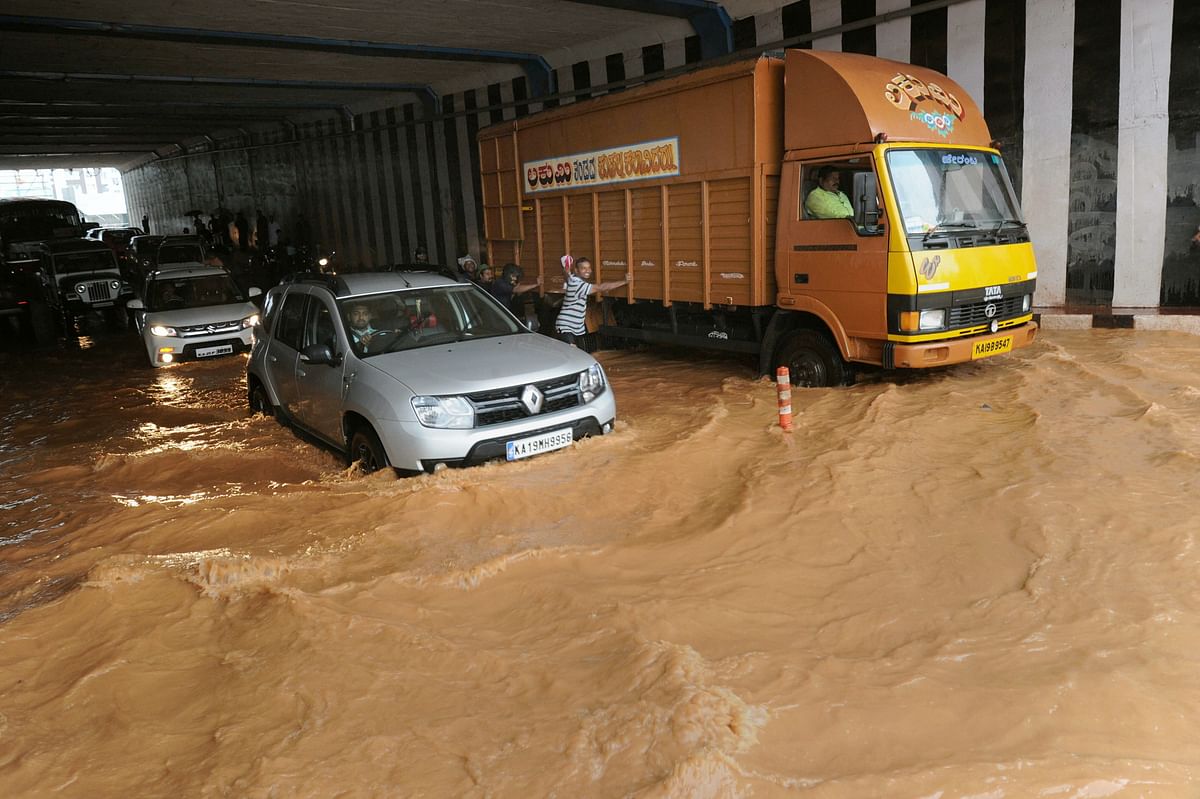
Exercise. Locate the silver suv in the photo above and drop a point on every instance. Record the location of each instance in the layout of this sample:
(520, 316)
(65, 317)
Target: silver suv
(413, 369)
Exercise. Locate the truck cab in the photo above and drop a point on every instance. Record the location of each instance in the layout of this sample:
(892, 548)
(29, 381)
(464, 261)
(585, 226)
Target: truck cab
(927, 260)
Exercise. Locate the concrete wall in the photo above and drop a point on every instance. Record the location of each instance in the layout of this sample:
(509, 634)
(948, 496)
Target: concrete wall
(1096, 106)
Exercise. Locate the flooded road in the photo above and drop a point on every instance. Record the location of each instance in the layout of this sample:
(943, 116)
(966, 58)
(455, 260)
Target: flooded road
(972, 583)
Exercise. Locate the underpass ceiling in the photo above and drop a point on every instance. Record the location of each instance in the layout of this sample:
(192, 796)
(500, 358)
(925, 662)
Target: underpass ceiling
(50, 65)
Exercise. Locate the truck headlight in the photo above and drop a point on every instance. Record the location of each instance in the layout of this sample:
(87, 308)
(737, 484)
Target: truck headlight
(1026, 303)
(162, 330)
(250, 321)
(453, 413)
(933, 320)
(591, 382)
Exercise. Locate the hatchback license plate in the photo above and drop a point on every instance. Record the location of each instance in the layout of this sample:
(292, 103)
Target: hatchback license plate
(536, 445)
(208, 352)
(996, 346)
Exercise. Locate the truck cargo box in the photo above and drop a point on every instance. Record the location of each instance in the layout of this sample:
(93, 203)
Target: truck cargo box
(673, 184)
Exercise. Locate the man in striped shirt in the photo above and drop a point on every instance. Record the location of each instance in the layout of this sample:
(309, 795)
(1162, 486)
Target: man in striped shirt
(570, 323)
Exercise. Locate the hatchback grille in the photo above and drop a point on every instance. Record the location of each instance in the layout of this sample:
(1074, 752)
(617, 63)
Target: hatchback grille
(977, 312)
(504, 404)
(99, 291)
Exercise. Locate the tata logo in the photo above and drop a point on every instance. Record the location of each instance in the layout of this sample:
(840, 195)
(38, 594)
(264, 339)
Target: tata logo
(992, 293)
(989, 310)
(532, 398)
(930, 266)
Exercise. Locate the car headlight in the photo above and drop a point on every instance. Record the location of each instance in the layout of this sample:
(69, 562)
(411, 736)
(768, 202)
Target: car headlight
(591, 382)
(114, 284)
(162, 330)
(1026, 302)
(80, 288)
(453, 413)
(250, 321)
(933, 320)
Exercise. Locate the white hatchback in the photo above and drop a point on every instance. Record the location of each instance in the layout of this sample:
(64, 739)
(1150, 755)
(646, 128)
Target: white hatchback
(192, 313)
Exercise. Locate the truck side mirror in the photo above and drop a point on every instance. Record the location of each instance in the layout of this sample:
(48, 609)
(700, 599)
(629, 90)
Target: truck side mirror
(866, 200)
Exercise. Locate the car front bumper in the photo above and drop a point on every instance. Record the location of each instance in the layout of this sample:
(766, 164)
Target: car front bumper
(164, 350)
(412, 446)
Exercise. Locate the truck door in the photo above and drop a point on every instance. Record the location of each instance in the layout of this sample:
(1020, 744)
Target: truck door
(836, 247)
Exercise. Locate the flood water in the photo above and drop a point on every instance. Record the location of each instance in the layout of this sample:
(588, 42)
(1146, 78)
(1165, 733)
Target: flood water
(980, 582)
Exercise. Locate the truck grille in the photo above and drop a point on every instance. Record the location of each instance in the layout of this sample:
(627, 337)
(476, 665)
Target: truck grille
(211, 329)
(99, 291)
(504, 404)
(977, 312)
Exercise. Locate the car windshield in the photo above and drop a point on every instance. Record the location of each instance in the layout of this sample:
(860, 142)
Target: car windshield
(93, 260)
(951, 189)
(180, 253)
(172, 293)
(414, 318)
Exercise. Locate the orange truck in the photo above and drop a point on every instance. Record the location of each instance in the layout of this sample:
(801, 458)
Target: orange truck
(819, 210)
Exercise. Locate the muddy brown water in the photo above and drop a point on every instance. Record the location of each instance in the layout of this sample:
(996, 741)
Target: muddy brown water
(981, 582)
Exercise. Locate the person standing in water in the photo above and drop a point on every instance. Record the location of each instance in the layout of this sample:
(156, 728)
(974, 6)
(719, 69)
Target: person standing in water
(570, 324)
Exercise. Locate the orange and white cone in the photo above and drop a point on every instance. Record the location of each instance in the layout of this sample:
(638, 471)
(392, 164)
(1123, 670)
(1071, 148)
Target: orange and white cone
(783, 384)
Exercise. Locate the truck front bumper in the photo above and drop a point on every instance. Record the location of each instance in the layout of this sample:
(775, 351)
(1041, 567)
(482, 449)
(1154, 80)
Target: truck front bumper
(943, 353)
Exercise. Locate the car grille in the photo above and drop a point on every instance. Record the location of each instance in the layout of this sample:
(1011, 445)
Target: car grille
(504, 404)
(99, 291)
(977, 312)
(213, 329)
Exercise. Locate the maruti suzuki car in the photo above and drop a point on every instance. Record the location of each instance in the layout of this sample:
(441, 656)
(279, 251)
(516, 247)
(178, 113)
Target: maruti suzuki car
(193, 312)
(416, 369)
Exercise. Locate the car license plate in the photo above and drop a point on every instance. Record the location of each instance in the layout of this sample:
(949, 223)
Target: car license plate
(102, 305)
(536, 445)
(996, 346)
(208, 352)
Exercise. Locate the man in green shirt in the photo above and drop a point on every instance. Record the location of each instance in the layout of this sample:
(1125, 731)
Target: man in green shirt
(825, 201)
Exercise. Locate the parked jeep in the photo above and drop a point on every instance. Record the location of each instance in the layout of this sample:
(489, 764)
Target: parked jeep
(86, 278)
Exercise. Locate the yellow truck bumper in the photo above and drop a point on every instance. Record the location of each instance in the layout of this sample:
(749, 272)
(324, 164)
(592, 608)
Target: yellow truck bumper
(943, 353)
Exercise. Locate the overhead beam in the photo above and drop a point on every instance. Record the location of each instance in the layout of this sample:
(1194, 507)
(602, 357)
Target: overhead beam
(44, 151)
(709, 19)
(240, 106)
(541, 77)
(426, 92)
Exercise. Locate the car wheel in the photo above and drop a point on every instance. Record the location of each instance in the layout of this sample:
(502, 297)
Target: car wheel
(367, 451)
(260, 403)
(813, 361)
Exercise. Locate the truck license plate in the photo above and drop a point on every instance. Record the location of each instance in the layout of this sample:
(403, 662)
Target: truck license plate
(208, 352)
(996, 346)
(536, 445)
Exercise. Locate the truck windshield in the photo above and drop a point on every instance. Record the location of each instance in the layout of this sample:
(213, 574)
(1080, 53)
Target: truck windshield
(94, 260)
(952, 190)
(38, 221)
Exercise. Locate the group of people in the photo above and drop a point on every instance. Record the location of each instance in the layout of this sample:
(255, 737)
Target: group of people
(507, 288)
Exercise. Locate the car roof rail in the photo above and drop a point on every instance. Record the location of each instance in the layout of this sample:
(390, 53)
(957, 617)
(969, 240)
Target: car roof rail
(432, 269)
(330, 281)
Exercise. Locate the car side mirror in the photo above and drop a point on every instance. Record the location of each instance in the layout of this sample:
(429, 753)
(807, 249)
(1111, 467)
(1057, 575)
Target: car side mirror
(135, 305)
(319, 354)
(253, 291)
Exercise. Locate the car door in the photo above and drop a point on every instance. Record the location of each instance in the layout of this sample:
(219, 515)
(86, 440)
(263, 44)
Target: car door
(283, 351)
(319, 386)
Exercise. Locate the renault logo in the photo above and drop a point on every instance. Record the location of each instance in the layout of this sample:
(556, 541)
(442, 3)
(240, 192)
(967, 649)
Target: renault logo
(989, 310)
(532, 398)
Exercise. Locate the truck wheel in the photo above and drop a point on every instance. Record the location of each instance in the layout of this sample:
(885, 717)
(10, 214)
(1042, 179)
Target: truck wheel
(812, 359)
(367, 451)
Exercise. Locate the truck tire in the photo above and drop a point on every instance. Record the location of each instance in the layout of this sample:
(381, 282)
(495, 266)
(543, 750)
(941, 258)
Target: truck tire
(366, 450)
(812, 359)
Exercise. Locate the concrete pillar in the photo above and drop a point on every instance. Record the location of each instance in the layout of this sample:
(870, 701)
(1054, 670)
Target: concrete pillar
(1046, 171)
(1142, 145)
(964, 47)
(826, 14)
(893, 39)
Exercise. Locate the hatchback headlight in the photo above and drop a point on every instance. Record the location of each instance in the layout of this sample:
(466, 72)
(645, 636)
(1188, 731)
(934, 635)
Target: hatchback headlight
(591, 382)
(162, 330)
(933, 320)
(453, 413)
(250, 321)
